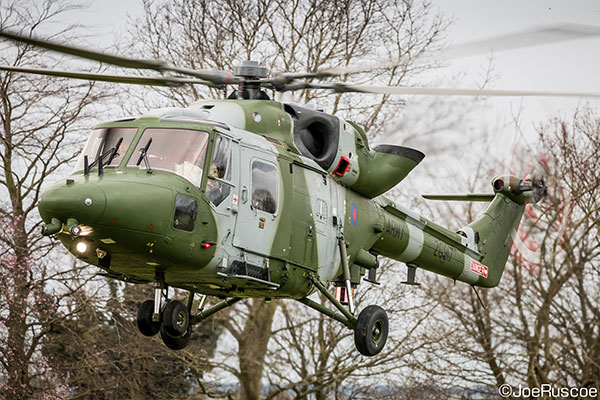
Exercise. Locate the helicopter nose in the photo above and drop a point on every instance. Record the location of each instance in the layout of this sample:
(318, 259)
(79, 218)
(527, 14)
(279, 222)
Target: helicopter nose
(84, 201)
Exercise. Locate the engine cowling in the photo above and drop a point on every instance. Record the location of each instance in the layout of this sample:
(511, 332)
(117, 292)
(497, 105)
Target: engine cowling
(341, 148)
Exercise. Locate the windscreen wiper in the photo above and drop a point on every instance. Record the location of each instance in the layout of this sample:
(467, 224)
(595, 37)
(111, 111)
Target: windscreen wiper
(144, 156)
(100, 160)
(115, 151)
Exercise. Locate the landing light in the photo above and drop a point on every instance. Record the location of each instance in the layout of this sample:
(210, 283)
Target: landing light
(81, 247)
(86, 230)
(80, 230)
(75, 230)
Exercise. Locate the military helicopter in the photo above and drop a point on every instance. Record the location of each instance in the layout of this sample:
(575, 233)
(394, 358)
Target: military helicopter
(247, 197)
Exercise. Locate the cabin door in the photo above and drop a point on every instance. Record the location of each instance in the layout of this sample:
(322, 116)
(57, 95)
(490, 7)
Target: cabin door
(259, 202)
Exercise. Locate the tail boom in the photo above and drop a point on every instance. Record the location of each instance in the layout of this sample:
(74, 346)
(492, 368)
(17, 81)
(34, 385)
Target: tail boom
(476, 254)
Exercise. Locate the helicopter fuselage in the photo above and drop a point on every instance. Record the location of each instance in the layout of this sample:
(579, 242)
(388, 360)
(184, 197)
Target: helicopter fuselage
(224, 203)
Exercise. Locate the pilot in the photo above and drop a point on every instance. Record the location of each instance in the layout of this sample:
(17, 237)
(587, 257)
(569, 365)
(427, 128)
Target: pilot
(214, 187)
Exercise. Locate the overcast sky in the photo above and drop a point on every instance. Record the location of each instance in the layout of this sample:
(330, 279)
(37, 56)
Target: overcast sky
(567, 66)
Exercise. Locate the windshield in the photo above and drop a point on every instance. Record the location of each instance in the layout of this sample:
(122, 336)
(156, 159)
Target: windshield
(181, 151)
(103, 140)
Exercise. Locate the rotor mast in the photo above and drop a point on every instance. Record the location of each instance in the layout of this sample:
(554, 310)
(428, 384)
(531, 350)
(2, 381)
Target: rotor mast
(249, 86)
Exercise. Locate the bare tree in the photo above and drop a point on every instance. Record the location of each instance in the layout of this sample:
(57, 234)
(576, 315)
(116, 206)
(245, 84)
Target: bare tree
(38, 116)
(98, 351)
(313, 356)
(541, 325)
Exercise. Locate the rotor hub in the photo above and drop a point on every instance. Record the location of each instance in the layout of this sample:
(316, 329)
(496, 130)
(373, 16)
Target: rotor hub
(250, 69)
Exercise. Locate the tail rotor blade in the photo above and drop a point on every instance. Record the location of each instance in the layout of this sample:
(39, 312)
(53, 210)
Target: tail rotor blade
(539, 188)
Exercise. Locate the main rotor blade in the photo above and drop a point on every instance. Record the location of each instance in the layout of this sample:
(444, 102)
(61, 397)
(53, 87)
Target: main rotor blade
(217, 77)
(544, 35)
(550, 34)
(287, 77)
(359, 68)
(133, 80)
(449, 91)
(88, 54)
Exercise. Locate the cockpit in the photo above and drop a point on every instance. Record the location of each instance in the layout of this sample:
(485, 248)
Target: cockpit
(100, 142)
(180, 151)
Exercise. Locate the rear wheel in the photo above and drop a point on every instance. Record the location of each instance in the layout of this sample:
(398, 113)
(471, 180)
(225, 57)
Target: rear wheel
(371, 331)
(175, 343)
(175, 319)
(144, 319)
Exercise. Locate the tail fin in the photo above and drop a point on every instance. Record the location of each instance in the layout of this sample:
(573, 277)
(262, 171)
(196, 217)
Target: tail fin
(494, 230)
(491, 233)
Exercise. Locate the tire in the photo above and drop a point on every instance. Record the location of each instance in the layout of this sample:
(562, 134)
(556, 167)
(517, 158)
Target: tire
(371, 331)
(144, 319)
(175, 319)
(175, 343)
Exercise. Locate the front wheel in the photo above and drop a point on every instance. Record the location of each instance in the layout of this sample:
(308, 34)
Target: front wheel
(175, 343)
(175, 318)
(144, 319)
(371, 331)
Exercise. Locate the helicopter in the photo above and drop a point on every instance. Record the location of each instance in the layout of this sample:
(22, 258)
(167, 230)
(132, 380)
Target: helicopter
(247, 197)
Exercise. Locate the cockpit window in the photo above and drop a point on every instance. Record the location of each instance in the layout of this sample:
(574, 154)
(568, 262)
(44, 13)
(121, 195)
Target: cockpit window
(220, 170)
(101, 143)
(181, 151)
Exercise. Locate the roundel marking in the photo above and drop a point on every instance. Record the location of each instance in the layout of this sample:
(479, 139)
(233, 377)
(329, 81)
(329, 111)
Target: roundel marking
(354, 215)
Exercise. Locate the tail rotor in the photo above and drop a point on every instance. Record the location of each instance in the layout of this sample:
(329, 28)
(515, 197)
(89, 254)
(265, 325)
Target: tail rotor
(536, 185)
(539, 188)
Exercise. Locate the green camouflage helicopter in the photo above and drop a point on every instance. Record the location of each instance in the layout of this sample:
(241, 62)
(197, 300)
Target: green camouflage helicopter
(249, 197)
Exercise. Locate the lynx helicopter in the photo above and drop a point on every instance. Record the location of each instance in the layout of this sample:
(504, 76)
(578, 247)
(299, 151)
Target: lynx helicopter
(249, 197)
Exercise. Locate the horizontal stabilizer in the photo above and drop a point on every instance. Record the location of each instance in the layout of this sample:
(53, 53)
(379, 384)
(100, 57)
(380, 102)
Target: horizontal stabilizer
(461, 197)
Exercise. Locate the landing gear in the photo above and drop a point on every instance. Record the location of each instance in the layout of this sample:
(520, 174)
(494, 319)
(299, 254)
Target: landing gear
(173, 319)
(173, 323)
(145, 324)
(370, 328)
(371, 331)
(175, 343)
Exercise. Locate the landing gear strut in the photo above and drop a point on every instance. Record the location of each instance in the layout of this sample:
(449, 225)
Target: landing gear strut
(370, 328)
